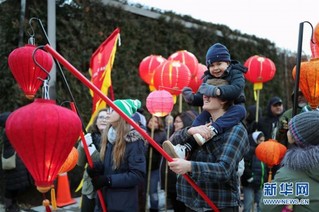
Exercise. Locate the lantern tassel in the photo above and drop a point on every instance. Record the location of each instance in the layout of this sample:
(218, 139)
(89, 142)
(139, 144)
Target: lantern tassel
(53, 198)
(269, 175)
(46, 204)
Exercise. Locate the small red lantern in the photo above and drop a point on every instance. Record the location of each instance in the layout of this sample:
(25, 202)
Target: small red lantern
(186, 58)
(260, 69)
(270, 152)
(29, 75)
(309, 81)
(197, 80)
(43, 134)
(172, 76)
(148, 66)
(159, 103)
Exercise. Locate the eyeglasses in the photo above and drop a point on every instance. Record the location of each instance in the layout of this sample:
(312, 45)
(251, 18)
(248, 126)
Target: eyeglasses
(101, 117)
(109, 110)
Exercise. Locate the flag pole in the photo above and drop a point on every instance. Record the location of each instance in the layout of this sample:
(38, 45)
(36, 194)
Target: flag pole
(90, 85)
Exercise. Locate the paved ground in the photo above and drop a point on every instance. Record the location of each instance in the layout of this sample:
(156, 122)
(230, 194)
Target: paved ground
(69, 208)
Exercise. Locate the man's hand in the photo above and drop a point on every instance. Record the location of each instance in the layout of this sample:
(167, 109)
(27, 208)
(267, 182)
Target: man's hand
(180, 166)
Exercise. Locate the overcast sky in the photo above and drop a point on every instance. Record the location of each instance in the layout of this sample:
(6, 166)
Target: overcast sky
(275, 20)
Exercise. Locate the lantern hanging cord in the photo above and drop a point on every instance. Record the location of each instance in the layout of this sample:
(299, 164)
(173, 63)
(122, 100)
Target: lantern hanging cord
(31, 34)
(41, 67)
(46, 94)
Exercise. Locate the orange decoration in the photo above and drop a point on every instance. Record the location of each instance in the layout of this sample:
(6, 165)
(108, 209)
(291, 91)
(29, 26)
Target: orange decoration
(70, 161)
(309, 81)
(314, 47)
(316, 34)
(270, 152)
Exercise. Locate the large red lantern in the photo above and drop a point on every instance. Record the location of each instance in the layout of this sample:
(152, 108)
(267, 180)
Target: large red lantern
(197, 80)
(260, 69)
(309, 81)
(148, 66)
(186, 58)
(43, 134)
(172, 76)
(160, 103)
(29, 75)
(271, 152)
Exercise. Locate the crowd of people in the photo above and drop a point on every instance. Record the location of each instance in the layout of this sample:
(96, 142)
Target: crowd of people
(215, 147)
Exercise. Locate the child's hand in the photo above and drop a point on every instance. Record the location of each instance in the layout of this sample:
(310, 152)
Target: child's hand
(188, 94)
(208, 90)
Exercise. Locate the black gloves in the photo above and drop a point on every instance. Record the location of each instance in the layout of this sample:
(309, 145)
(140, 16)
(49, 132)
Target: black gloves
(98, 179)
(93, 172)
(101, 181)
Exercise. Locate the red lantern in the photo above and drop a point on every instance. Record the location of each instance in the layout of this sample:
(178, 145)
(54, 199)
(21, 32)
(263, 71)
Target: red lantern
(28, 75)
(270, 152)
(309, 81)
(260, 69)
(186, 58)
(172, 76)
(70, 161)
(148, 66)
(160, 103)
(43, 134)
(197, 80)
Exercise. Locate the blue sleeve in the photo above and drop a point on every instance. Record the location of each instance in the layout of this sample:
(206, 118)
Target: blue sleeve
(233, 116)
(201, 119)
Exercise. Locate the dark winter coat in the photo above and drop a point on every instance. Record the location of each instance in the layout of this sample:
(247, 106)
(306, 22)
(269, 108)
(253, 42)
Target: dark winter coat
(254, 168)
(159, 136)
(123, 193)
(234, 75)
(18, 178)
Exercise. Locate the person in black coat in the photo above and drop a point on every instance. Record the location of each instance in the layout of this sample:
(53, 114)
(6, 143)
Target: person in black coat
(16, 180)
(255, 174)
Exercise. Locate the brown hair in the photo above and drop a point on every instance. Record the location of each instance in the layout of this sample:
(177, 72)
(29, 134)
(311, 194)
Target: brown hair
(93, 127)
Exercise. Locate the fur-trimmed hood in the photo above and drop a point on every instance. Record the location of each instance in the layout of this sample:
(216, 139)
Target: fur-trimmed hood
(133, 136)
(302, 159)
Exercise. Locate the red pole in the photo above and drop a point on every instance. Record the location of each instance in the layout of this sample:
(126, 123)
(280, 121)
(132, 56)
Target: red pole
(89, 159)
(90, 85)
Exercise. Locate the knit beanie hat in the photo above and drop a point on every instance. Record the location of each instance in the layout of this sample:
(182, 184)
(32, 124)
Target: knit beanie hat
(304, 128)
(217, 53)
(257, 135)
(128, 106)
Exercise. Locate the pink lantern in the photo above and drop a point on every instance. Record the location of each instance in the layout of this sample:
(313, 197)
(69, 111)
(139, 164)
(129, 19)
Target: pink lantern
(28, 75)
(148, 66)
(43, 134)
(186, 58)
(159, 103)
(172, 76)
(197, 80)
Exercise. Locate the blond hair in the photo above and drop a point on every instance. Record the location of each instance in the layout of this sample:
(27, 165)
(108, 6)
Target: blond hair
(122, 130)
